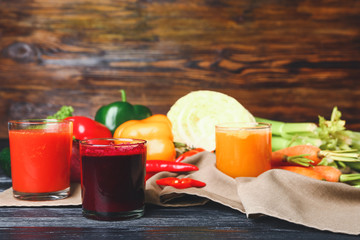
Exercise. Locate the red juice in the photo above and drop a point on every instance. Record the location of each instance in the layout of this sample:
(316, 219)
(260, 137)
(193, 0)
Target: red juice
(112, 180)
(40, 158)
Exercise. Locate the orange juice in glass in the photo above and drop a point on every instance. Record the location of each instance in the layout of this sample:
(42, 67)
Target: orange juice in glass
(40, 153)
(243, 149)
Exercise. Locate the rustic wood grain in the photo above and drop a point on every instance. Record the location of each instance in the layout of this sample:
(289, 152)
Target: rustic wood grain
(289, 60)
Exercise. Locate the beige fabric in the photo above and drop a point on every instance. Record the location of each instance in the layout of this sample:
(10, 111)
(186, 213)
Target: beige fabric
(7, 199)
(278, 193)
(298, 199)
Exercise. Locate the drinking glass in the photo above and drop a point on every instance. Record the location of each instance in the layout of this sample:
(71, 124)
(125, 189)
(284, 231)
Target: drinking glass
(40, 151)
(112, 181)
(243, 149)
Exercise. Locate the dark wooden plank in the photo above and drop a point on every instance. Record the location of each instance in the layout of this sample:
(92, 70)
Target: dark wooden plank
(210, 221)
(287, 60)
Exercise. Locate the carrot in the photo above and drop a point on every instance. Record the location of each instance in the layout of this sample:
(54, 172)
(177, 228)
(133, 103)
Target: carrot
(329, 173)
(307, 155)
(305, 171)
(280, 159)
(304, 155)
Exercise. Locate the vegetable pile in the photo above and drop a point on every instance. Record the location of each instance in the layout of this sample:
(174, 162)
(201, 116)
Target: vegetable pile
(325, 150)
(123, 120)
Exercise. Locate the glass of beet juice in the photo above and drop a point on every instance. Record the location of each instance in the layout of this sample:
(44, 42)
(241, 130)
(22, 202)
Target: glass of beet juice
(112, 178)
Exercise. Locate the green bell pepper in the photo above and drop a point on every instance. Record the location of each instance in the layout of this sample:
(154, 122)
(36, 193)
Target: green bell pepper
(116, 113)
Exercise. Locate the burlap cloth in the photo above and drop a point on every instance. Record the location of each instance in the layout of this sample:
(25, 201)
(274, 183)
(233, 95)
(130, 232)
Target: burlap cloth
(278, 193)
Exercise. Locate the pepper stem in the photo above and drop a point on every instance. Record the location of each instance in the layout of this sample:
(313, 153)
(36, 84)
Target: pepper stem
(123, 95)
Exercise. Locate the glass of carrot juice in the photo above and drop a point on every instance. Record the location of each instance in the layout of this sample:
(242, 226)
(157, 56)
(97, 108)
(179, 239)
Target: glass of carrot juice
(243, 149)
(40, 151)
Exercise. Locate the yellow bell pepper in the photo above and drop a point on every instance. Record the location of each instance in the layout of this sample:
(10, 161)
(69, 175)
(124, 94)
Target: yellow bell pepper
(156, 130)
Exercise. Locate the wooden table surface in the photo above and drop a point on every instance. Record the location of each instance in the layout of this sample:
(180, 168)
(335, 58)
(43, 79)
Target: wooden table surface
(211, 221)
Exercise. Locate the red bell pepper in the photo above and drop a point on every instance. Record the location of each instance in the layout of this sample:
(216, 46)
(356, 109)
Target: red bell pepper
(83, 128)
(180, 183)
(86, 128)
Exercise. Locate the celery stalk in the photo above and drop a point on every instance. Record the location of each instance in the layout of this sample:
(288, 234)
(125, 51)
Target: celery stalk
(284, 128)
(278, 143)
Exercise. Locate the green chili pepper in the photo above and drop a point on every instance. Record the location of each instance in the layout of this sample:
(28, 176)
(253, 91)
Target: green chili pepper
(5, 161)
(116, 113)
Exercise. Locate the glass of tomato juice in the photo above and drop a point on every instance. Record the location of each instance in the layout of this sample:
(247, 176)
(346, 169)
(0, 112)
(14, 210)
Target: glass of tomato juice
(243, 149)
(40, 151)
(112, 178)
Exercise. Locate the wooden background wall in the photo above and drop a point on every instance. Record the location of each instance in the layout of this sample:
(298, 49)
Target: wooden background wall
(282, 59)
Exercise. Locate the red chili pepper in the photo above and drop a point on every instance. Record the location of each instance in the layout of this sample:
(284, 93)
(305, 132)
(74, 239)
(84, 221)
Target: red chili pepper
(86, 128)
(162, 165)
(189, 153)
(180, 183)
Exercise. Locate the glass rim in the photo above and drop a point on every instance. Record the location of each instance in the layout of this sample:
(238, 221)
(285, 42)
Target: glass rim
(38, 121)
(124, 142)
(242, 126)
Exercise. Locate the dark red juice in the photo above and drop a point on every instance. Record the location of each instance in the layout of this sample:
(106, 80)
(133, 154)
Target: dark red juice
(112, 179)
